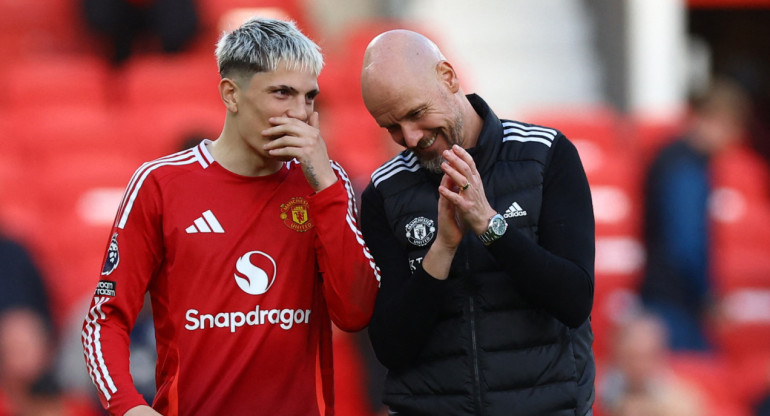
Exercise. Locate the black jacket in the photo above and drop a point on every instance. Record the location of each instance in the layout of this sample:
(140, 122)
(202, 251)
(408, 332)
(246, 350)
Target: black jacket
(508, 332)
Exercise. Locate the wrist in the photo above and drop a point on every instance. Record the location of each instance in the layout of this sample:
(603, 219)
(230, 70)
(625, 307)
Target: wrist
(496, 228)
(438, 260)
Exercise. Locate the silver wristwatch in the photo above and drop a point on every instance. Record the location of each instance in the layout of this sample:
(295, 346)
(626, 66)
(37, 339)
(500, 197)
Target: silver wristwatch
(495, 229)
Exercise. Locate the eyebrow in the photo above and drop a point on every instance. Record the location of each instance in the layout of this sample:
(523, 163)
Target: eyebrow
(312, 93)
(415, 111)
(411, 114)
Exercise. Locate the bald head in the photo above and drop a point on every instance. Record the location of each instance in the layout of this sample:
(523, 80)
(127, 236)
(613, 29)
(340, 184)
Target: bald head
(399, 58)
(403, 50)
(412, 91)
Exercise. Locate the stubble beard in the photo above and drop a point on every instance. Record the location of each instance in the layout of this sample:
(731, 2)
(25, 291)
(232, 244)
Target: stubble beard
(432, 162)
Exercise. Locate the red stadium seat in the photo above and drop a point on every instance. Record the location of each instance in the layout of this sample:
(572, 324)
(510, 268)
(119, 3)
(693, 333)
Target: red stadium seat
(340, 81)
(181, 79)
(615, 177)
(78, 197)
(29, 28)
(56, 80)
(742, 327)
(217, 14)
(160, 129)
(649, 135)
(349, 129)
(740, 212)
(608, 157)
(213, 10)
(66, 128)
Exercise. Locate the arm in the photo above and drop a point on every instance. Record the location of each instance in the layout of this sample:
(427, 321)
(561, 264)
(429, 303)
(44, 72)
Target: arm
(350, 277)
(142, 410)
(557, 273)
(129, 263)
(408, 302)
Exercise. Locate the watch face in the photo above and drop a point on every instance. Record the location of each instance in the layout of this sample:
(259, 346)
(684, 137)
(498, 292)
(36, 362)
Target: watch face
(499, 225)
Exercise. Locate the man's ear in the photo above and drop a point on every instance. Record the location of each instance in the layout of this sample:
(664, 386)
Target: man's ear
(229, 91)
(446, 73)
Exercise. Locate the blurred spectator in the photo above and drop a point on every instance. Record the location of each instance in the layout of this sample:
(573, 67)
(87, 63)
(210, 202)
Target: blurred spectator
(24, 356)
(677, 284)
(126, 23)
(27, 384)
(639, 380)
(21, 283)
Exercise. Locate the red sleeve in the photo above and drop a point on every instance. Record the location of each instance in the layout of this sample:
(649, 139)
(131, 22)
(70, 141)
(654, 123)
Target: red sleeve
(133, 254)
(350, 277)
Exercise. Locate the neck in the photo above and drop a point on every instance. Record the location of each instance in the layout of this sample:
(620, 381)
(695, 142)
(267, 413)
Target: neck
(472, 124)
(239, 157)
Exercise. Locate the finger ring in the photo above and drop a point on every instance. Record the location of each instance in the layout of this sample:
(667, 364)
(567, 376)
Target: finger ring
(464, 187)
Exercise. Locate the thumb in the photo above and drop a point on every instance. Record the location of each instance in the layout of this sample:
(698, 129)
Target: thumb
(313, 121)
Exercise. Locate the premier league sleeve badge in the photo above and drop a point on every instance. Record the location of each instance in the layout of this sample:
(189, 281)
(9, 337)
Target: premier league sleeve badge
(113, 256)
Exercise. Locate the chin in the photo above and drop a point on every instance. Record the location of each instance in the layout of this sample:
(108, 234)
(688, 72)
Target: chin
(433, 164)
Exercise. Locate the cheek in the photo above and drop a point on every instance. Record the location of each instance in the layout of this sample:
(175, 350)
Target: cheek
(398, 138)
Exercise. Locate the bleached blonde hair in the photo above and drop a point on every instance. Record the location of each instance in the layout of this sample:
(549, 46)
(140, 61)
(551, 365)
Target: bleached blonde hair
(260, 44)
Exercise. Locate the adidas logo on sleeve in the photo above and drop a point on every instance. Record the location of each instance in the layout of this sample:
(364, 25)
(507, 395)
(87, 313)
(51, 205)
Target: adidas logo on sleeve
(207, 223)
(514, 210)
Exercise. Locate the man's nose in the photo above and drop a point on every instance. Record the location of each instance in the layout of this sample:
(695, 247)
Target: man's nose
(299, 109)
(412, 135)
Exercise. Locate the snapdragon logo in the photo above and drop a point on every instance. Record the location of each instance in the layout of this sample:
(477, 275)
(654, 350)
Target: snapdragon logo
(255, 275)
(256, 272)
(286, 318)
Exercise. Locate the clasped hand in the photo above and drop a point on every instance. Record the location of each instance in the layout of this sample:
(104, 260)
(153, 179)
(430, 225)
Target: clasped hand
(461, 207)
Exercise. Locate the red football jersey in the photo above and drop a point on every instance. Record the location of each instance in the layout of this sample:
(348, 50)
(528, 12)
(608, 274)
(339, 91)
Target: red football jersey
(243, 274)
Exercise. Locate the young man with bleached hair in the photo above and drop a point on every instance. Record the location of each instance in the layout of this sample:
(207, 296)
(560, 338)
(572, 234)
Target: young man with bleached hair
(248, 246)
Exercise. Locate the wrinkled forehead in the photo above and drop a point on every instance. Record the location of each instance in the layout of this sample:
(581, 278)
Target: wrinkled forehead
(389, 82)
(390, 106)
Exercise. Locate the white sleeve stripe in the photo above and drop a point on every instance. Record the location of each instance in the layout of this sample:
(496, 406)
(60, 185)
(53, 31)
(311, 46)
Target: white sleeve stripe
(551, 132)
(98, 345)
(138, 173)
(93, 350)
(400, 160)
(175, 156)
(397, 164)
(350, 217)
(524, 140)
(88, 351)
(511, 131)
(140, 178)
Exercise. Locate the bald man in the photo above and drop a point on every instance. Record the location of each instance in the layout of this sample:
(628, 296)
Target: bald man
(484, 232)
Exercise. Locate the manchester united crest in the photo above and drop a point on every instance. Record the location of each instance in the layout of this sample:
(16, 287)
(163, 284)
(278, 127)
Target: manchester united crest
(420, 231)
(295, 214)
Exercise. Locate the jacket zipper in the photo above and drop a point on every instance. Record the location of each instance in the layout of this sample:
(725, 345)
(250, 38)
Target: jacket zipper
(474, 349)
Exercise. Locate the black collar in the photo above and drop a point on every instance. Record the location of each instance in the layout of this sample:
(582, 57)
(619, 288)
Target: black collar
(490, 139)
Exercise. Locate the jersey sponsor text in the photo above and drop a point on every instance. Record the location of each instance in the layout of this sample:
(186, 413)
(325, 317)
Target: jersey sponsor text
(286, 318)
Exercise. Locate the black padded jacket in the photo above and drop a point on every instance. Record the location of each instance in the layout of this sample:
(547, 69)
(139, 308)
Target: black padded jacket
(508, 333)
